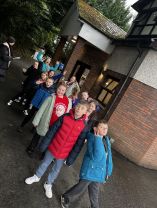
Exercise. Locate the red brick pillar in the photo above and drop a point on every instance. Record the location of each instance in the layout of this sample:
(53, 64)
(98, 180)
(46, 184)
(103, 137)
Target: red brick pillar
(59, 50)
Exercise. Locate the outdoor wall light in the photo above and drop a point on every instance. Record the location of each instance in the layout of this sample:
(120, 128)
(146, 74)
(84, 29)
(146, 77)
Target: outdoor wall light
(74, 39)
(100, 77)
(105, 67)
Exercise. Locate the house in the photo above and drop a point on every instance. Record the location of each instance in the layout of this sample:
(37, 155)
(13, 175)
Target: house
(119, 70)
(133, 122)
(89, 34)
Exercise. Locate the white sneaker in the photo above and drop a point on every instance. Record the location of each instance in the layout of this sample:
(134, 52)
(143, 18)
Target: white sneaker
(24, 102)
(25, 112)
(10, 102)
(48, 190)
(32, 179)
(18, 100)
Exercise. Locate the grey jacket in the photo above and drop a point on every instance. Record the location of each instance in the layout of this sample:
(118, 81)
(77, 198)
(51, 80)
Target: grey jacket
(42, 118)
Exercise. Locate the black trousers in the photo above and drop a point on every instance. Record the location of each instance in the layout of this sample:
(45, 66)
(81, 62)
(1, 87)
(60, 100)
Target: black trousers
(78, 190)
(29, 116)
(20, 94)
(29, 96)
(34, 142)
(2, 74)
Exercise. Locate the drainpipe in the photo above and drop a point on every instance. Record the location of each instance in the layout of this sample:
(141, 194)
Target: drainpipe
(140, 51)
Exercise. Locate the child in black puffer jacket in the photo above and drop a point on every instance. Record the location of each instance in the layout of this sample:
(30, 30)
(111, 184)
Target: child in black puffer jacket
(45, 90)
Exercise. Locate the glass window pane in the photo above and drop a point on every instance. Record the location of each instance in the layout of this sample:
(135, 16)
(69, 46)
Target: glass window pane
(155, 4)
(107, 82)
(107, 98)
(141, 19)
(136, 31)
(112, 85)
(154, 32)
(146, 30)
(102, 95)
(147, 6)
(151, 18)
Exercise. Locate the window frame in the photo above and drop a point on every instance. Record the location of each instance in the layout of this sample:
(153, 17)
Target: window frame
(148, 12)
(114, 79)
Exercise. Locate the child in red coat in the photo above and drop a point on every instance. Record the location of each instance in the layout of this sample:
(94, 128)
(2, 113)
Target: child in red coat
(64, 134)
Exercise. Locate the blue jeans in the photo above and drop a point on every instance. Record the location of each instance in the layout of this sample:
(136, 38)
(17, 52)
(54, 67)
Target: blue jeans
(55, 169)
(44, 144)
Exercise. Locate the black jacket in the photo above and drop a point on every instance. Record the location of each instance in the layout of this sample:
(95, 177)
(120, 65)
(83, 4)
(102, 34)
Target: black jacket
(4, 57)
(32, 75)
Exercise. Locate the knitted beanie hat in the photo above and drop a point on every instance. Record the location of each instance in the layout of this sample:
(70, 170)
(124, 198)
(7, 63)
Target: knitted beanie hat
(11, 39)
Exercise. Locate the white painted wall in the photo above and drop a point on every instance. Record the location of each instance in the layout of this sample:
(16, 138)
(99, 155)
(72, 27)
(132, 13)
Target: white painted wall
(121, 59)
(70, 25)
(96, 38)
(147, 72)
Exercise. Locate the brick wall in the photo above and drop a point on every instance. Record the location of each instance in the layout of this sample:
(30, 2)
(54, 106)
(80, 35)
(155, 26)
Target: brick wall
(133, 125)
(91, 56)
(77, 53)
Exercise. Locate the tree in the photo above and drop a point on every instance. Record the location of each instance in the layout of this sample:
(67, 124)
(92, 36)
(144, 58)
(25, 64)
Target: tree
(32, 22)
(116, 10)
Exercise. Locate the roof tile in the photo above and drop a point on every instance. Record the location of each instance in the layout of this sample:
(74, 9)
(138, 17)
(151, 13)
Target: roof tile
(99, 21)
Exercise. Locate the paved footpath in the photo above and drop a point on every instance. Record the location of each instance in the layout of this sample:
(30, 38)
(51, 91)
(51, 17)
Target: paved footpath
(130, 186)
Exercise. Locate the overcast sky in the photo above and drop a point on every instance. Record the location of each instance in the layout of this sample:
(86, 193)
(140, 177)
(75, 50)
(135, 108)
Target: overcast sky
(129, 3)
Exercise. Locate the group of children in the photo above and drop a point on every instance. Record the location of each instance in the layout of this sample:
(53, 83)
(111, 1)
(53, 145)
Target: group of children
(63, 120)
(63, 142)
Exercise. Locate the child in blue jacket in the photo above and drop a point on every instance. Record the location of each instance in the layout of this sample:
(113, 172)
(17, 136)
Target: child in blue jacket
(44, 91)
(96, 167)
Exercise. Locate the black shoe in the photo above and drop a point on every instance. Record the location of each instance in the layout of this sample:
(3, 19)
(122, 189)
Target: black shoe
(30, 152)
(42, 155)
(64, 203)
(39, 155)
(33, 130)
(20, 130)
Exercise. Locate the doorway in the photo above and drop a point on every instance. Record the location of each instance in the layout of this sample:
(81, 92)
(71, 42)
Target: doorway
(81, 71)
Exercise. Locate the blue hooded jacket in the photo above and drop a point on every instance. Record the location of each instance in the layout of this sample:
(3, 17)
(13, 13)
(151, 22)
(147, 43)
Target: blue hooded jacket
(97, 162)
(41, 94)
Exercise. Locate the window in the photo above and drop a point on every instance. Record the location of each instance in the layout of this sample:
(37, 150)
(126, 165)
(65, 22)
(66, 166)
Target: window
(102, 95)
(146, 21)
(154, 4)
(107, 91)
(148, 5)
(152, 18)
(141, 19)
(146, 30)
(154, 32)
(136, 30)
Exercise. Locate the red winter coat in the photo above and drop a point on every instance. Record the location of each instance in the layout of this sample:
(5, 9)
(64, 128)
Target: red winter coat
(66, 137)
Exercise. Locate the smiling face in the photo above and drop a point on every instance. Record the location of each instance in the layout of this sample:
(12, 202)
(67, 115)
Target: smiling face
(61, 91)
(49, 82)
(101, 129)
(51, 73)
(84, 95)
(80, 110)
(73, 79)
(35, 65)
(92, 107)
(48, 61)
(44, 76)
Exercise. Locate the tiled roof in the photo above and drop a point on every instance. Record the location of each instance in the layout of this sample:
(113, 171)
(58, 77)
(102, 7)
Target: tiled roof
(140, 4)
(99, 21)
